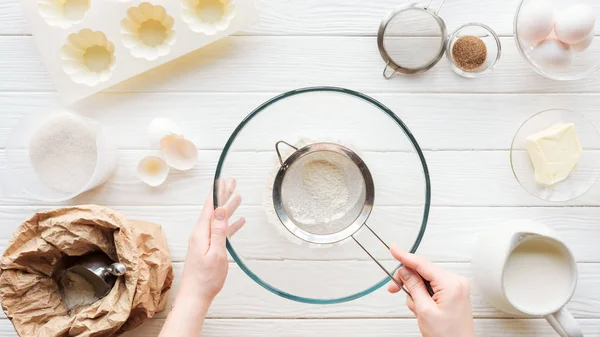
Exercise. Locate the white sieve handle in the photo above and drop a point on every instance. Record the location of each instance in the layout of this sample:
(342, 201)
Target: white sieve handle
(279, 152)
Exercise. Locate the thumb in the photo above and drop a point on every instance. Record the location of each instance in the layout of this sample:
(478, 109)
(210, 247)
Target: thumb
(218, 230)
(415, 285)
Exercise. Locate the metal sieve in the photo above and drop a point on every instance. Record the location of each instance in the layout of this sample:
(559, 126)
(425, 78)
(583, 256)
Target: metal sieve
(326, 226)
(411, 39)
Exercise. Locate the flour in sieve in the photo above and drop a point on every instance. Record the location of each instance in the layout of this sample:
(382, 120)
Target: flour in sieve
(318, 193)
(63, 152)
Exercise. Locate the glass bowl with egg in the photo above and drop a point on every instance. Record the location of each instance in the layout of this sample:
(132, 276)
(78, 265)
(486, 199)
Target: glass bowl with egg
(555, 155)
(557, 37)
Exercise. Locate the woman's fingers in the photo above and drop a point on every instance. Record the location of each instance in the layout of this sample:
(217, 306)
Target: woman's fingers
(236, 226)
(218, 231)
(416, 287)
(392, 286)
(422, 266)
(232, 205)
(226, 189)
(202, 229)
(410, 304)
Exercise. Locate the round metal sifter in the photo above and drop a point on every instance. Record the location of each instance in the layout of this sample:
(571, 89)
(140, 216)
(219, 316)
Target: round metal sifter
(326, 165)
(412, 39)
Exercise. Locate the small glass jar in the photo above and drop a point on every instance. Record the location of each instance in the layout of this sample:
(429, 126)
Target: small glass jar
(489, 38)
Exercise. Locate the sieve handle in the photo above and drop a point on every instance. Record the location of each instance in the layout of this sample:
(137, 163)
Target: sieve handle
(279, 153)
(439, 7)
(386, 73)
(400, 285)
(426, 282)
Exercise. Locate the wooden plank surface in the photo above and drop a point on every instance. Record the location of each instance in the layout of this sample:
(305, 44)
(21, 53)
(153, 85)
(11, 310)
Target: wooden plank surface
(460, 178)
(438, 121)
(464, 126)
(329, 17)
(349, 328)
(451, 234)
(243, 298)
(277, 64)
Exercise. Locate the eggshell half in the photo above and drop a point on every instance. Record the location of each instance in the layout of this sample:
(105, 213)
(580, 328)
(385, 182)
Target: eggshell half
(180, 153)
(153, 170)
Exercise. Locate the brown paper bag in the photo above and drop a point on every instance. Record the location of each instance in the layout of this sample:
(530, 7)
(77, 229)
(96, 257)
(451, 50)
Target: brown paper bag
(30, 297)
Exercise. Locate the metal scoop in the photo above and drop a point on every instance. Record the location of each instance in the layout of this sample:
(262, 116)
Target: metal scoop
(100, 271)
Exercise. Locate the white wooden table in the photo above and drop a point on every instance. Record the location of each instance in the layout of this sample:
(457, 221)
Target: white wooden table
(465, 127)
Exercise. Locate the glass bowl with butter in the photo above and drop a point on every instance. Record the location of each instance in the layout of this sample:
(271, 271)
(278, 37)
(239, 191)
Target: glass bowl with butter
(555, 155)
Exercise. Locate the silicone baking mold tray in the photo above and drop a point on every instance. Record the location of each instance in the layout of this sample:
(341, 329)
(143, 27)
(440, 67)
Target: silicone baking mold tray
(90, 45)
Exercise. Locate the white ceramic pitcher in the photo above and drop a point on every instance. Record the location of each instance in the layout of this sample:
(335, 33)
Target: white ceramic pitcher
(490, 261)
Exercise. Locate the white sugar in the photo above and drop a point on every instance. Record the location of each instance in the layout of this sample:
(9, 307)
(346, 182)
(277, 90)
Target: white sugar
(63, 152)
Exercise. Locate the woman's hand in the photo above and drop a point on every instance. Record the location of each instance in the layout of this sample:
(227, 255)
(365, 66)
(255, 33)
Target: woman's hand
(448, 312)
(206, 263)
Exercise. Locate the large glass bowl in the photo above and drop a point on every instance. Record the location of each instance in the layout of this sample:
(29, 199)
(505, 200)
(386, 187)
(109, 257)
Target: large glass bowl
(584, 63)
(323, 274)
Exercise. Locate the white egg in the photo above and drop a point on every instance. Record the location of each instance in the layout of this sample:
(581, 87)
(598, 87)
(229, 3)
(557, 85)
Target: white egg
(161, 127)
(574, 23)
(583, 44)
(535, 21)
(552, 54)
(180, 153)
(152, 170)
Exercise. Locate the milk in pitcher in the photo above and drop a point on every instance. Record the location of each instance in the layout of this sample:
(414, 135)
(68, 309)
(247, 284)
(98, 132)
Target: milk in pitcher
(538, 276)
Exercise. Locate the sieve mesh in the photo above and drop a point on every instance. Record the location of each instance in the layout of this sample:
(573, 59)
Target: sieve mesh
(323, 192)
(411, 39)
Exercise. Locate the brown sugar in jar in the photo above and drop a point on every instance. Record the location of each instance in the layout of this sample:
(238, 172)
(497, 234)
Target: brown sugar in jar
(469, 53)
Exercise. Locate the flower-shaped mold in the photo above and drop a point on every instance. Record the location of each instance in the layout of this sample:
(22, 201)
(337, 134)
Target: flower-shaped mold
(147, 31)
(208, 16)
(88, 57)
(63, 13)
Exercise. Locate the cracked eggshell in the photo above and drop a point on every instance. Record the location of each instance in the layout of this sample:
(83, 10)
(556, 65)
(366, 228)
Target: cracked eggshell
(160, 128)
(180, 153)
(153, 170)
(208, 16)
(148, 32)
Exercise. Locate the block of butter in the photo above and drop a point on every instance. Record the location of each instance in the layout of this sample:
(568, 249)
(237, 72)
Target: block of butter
(554, 153)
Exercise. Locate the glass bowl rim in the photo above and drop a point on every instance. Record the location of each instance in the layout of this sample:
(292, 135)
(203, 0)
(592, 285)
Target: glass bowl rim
(536, 68)
(512, 149)
(383, 108)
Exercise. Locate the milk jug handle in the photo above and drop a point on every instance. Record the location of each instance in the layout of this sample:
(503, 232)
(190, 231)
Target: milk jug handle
(564, 323)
